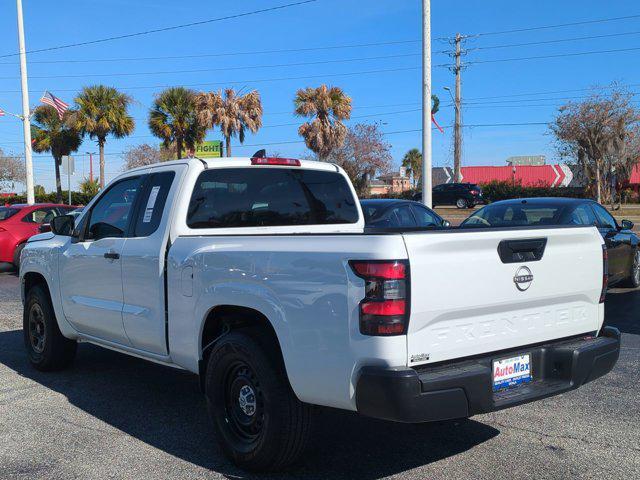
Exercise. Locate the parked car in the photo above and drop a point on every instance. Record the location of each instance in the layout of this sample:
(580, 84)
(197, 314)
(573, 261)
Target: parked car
(258, 275)
(46, 227)
(462, 195)
(622, 243)
(19, 222)
(381, 213)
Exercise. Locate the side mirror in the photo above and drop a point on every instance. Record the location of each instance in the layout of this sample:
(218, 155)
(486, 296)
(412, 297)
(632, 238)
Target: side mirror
(63, 225)
(627, 225)
(446, 223)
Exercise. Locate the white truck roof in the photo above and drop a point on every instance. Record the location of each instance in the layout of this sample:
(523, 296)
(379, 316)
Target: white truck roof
(227, 162)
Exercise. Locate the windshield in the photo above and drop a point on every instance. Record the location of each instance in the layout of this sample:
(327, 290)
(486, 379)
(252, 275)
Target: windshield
(6, 212)
(522, 214)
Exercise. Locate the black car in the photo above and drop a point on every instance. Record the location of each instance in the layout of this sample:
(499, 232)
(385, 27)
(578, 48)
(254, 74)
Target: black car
(462, 195)
(392, 213)
(622, 244)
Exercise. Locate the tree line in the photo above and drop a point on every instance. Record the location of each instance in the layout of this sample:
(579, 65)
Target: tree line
(600, 134)
(181, 118)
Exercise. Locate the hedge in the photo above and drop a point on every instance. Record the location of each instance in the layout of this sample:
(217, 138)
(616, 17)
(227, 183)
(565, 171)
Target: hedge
(504, 190)
(77, 198)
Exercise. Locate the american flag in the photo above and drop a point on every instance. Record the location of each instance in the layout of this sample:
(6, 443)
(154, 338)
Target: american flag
(55, 102)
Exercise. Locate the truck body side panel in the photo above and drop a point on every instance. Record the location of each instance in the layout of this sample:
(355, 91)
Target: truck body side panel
(303, 285)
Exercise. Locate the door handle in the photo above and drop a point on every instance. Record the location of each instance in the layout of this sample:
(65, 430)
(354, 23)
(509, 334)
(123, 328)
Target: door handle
(112, 255)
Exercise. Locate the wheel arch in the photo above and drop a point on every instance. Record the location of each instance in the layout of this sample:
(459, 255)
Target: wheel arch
(30, 280)
(222, 318)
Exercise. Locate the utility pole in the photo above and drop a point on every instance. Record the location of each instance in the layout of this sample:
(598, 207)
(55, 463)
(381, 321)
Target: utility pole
(26, 115)
(457, 129)
(426, 103)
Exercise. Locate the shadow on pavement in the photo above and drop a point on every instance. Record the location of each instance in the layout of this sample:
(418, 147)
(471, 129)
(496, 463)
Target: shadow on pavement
(622, 310)
(164, 408)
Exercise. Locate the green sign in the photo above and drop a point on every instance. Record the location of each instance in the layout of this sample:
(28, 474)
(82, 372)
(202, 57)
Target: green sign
(208, 149)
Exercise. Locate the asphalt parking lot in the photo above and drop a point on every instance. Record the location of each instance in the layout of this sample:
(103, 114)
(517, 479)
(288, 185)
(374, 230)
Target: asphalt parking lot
(112, 416)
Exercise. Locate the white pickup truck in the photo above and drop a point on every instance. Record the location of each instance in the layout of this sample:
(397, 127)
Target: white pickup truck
(258, 275)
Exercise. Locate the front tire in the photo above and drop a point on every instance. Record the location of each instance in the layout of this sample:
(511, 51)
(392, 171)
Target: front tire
(634, 278)
(462, 203)
(259, 422)
(47, 348)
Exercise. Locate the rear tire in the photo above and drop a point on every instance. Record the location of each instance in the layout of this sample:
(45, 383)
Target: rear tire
(259, 422)
(462, 203)
(47, 348)
(633, 281)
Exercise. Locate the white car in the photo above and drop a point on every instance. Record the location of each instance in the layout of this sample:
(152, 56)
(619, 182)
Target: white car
(257, 275)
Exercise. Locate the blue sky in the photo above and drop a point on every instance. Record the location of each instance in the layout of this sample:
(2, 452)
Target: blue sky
(390, 95)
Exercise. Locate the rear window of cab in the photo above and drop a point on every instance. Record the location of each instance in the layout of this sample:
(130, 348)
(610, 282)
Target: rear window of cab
(270, 197)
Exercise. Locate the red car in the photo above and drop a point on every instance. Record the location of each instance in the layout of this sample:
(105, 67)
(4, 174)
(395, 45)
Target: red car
(19, 222)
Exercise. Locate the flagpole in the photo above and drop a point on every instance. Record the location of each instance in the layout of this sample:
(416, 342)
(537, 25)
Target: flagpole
(26, 123)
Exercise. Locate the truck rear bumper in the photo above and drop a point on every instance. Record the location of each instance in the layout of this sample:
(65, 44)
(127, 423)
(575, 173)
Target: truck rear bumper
(465, 388)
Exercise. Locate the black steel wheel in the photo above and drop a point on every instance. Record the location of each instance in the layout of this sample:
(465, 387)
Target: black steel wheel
(260, 423)
(47, 348)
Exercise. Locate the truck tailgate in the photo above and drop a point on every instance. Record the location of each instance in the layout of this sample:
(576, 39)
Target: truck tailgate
(468, 299)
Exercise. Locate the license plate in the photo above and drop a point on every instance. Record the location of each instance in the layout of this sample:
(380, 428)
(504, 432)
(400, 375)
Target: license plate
(509, 372)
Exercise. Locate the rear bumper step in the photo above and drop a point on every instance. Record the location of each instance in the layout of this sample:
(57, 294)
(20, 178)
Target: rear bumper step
(464, 389)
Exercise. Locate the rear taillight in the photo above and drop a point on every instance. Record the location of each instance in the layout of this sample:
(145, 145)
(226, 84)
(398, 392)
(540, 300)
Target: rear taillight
(289, 162)
(385, 308)
(605, 273)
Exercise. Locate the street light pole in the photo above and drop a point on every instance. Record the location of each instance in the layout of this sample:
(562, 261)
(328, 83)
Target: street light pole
(426, 103)
(26, 117)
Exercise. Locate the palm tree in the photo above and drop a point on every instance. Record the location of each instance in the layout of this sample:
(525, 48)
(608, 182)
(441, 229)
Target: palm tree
(102, 111)
(330, 106)
(174, 119)
(412, 161)
(51, 134)
(233, 113)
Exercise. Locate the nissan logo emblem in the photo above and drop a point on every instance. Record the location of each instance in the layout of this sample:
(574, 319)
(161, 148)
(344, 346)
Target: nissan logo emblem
(523, 278)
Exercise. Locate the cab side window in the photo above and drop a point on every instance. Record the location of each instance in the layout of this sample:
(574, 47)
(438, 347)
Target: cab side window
(152, 203)
(110, 215)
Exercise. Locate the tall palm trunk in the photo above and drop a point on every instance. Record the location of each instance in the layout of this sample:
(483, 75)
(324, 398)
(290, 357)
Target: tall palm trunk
(58, 161)
(227, 141)
(179, 147)
(101, 142)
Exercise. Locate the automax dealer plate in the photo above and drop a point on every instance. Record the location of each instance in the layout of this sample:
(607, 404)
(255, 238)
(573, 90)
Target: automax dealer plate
(508, 372)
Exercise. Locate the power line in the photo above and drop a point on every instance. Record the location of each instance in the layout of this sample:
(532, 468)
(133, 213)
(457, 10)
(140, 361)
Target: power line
(165, 29)
(544, 42)
(560, 25)
(277, 79)
(227, 54)
(201, 70)
(550, 92)
(538, 57)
